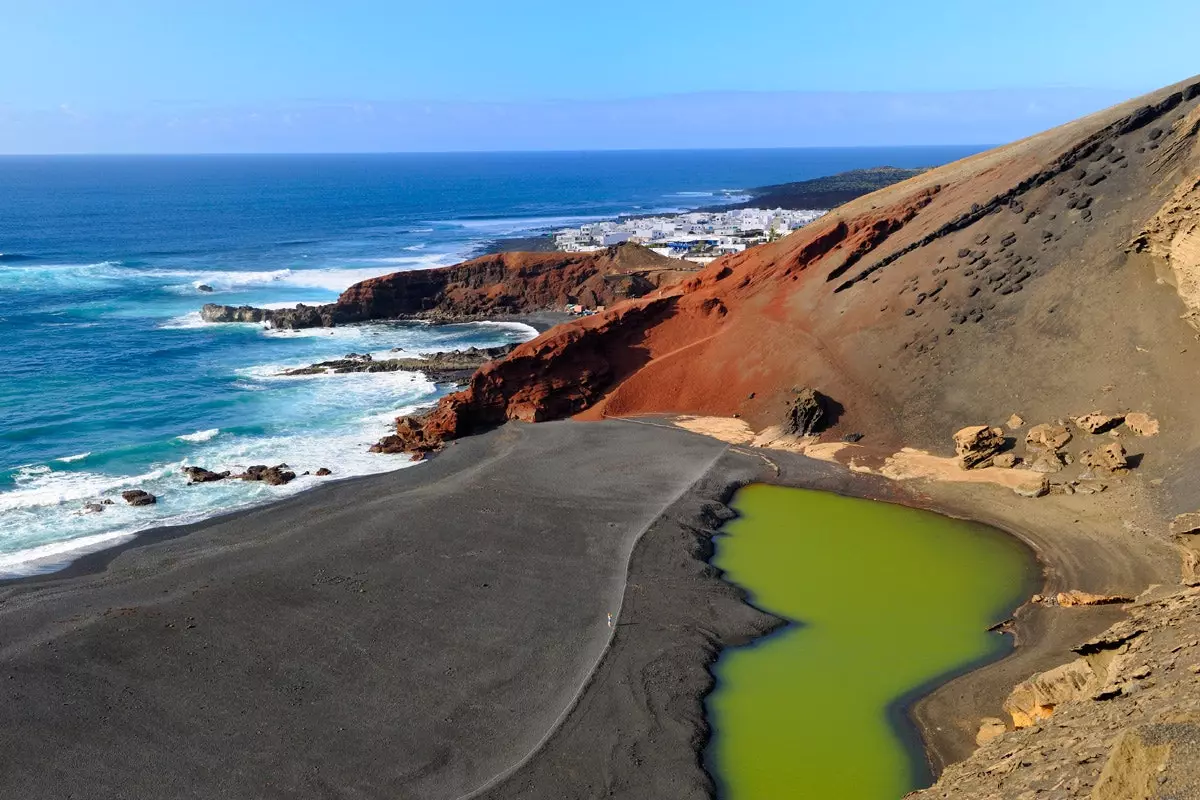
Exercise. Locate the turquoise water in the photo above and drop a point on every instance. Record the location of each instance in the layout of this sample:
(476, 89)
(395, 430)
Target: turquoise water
(882, 600)
(108, 379)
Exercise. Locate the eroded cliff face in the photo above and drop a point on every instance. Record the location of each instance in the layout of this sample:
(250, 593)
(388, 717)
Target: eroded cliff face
(999, 280)
(489, 286)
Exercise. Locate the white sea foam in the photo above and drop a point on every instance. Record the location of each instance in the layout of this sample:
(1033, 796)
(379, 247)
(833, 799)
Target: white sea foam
(48, 556)
(76, 457)
(199, 436)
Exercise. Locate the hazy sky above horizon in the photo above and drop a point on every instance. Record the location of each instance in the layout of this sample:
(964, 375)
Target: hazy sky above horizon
(293, 75)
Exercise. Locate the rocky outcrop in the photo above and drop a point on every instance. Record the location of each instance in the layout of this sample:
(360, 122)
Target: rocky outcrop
(202, 475)
(976, 445)
(1119, 721)
(138, 497)
(1185, 529)
(453, 365)
(807, 413)
(493, 285)
(277, 475)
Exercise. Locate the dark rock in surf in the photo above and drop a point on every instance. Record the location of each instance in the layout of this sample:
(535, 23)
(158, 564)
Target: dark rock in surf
(139, 497)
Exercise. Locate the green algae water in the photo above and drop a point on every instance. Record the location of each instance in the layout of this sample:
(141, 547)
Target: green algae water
(883, 601)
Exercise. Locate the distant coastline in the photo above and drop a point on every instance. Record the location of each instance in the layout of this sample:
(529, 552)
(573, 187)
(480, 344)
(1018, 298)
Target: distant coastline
(822, 193)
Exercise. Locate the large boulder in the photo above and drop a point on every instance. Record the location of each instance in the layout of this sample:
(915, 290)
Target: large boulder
(977, 444)
(807, 413)
(138, 497)
(1106, 460)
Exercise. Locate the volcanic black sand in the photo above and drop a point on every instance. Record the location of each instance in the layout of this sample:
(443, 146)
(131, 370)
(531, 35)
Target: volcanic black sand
(436, 632)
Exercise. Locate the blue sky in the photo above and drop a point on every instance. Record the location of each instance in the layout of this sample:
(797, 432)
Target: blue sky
(287, 75)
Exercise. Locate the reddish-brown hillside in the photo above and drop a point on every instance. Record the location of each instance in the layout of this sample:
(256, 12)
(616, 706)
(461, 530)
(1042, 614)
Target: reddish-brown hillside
(1049, 275)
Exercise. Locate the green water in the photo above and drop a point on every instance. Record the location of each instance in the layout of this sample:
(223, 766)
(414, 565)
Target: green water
(885, 600)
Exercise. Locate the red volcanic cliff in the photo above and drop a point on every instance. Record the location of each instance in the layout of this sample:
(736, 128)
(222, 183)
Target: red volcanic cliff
(511, 283)
(1015, 277)
(504, 283)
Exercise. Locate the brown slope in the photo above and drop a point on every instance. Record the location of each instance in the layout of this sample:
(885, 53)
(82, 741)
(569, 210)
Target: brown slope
(1030, 277)
(498, 284)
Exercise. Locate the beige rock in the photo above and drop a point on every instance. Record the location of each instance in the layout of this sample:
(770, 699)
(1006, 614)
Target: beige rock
(1015, 422)
(1046, 462)
(990, 728)
(1105, 460)
(1005, 460)
(1075, 597)
(975, 445)
(1097, 422)
(1047, 437)
(1033, 489)
(1141, 423)
(1133, 767)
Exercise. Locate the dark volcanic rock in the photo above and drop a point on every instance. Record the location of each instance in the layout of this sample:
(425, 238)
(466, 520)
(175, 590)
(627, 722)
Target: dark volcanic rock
(277, 475)
(323, 471)
(807, 413)
(453, 365)
(138, 497)
(202, 475)
(204, 287)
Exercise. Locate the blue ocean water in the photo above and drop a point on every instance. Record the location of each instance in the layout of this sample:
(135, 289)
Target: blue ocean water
(110, 381)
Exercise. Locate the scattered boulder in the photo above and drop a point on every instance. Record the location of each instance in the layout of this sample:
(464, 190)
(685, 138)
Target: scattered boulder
(990, 728)
(92, 508)
(806, 414)
(138, 497)
(1047, 437)
(202, 475)
(203, 287)
(1075, 597)
(1006, 460)
(1097, 422)
(1141, 423)
(277, 475)
(1046, 462)
(1105, 460)
(1015, 422)
(1033, 490)
(322, 472)
(976, 445)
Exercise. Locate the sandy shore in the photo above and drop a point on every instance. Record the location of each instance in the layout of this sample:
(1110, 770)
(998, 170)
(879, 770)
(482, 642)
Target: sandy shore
(441, 632)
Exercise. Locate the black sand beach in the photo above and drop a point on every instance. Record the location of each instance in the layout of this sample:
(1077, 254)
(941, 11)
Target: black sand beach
(412, 634)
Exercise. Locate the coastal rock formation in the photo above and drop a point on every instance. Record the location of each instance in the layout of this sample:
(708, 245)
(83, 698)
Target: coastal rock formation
(453, 365)
(488, 286)
(976, 445)
(202, 475)
(138, 497)
(277, 475)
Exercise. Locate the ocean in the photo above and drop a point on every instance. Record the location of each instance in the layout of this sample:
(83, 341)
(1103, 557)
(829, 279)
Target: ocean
(109, 380)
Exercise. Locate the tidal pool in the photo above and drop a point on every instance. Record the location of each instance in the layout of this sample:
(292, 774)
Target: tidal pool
(883, 602)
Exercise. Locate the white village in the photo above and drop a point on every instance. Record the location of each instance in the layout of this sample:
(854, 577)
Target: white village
(698, 236)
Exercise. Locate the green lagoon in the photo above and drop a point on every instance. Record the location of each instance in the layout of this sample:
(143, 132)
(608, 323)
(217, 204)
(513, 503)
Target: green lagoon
(883, 601)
